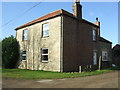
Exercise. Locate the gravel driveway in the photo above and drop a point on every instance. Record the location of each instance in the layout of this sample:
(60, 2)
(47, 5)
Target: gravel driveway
(107, 80)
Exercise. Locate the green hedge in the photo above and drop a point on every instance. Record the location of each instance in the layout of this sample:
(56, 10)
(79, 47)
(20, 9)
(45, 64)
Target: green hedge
(10, 52)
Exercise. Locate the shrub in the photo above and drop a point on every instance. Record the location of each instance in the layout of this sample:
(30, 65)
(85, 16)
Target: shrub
(10, 52)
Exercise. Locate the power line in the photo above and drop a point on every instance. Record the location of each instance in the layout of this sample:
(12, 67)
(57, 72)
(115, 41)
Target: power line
(20, 14)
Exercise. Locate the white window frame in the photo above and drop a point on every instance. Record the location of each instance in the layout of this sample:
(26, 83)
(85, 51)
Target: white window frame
(45, 30)
(42, 54)
(105, 53)
(94, 32)
(24, 55)
(25, 33)
(94, 57)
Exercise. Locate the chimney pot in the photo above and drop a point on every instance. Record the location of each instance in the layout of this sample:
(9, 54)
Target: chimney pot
(96, 19)
(98, 24)
(78, 1)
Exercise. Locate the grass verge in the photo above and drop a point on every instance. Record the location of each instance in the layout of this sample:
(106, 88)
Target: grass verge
(32, 74)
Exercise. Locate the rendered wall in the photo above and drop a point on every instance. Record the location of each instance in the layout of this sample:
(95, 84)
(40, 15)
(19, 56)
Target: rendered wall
(35, 42)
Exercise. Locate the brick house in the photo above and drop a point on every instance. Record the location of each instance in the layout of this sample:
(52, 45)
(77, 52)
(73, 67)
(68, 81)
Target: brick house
(61, 41)
(116, 55)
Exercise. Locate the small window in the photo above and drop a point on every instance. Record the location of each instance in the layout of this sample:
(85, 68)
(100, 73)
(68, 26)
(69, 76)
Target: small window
(104, 56)
(45, 30)
(23, 55)
(94, 35)
(25, 34)
(94, 57)
(44, 55)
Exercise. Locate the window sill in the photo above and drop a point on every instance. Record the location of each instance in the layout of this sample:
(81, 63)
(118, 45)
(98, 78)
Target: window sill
(24, 60)
(94, 40)
(45, 36)
(24, 40)
(105, 60)
(44, 61)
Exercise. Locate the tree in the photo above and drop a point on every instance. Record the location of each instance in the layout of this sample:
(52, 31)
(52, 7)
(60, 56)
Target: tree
(0, 53)
(10, 52)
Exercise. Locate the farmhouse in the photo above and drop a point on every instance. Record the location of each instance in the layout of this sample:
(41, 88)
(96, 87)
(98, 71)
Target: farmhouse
(63, 42)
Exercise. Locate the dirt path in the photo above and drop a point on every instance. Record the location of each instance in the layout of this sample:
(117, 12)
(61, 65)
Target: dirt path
(107, 80)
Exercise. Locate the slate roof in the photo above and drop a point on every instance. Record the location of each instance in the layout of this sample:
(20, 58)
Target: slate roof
(116, 47)
(104, 40)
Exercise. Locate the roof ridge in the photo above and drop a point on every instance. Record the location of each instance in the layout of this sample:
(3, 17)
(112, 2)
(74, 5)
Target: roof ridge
(42, 18)
(52, 14)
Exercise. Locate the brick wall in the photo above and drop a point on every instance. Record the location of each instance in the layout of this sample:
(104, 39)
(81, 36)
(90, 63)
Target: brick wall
(78, 45)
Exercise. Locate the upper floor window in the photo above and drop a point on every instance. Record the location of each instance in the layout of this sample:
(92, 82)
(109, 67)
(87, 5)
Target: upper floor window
(25, 34)
(45, 29)
(104, 56)
(24, 55)
(44, 55)
(94, 35)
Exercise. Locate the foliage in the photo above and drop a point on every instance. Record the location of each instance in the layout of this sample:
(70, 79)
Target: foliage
(0, 53)
(114, 68)
(32, 74)
(10, 52)
(116, 55)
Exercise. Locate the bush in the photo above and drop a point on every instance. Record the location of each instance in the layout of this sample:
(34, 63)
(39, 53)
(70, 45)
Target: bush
(10, 52)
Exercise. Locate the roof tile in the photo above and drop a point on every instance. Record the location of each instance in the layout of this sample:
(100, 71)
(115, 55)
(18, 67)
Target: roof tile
(104, 40)
(55, 13)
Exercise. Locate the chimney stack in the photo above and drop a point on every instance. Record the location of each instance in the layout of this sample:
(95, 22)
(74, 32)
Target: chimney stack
(77, 9)
(98, 24)
(77, 1)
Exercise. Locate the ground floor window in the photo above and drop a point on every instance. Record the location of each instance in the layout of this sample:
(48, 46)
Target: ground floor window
(94, 57)
(24, 55)
(44, 57)
(104, 56)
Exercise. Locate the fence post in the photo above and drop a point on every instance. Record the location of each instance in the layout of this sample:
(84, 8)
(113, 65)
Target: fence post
(99, 63)
(80, 68)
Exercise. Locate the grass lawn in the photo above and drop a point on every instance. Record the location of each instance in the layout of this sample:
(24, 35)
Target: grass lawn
(32, 74)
